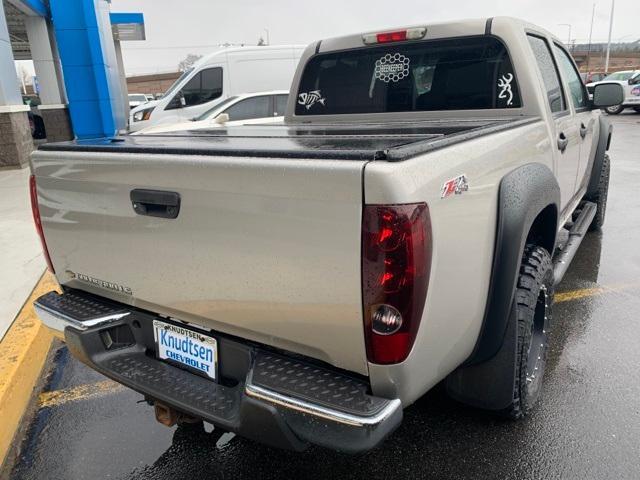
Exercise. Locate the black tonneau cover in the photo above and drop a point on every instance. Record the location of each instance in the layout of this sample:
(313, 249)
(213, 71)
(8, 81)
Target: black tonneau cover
(393, 142)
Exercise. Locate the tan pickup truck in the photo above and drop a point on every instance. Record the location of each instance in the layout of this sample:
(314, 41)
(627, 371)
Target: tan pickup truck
(303, 283)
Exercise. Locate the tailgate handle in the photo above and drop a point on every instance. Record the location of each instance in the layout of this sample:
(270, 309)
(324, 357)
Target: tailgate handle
(155, 203)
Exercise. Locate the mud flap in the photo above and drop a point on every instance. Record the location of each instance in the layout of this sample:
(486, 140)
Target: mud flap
(488, 385)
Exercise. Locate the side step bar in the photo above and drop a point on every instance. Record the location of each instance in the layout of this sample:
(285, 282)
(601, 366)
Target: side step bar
(580, 227)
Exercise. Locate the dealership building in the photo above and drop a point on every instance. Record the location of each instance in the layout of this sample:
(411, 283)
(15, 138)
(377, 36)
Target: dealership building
(75, 48)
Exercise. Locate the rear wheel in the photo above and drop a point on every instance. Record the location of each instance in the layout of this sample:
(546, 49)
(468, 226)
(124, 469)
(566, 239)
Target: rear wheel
(615, 110)
(600, 198)
(532, 314)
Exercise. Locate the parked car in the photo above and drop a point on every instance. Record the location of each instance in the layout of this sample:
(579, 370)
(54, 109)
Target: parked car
(248, 108)
(137, 99)
(216, 77)
(302, 284)
(630, 81)
(149, 97)
(592, 77)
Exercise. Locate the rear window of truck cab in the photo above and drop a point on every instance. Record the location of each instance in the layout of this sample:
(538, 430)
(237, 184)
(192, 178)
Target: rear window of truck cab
(452, 74)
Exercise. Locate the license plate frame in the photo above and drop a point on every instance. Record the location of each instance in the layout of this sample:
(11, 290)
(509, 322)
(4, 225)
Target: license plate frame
(186, 348)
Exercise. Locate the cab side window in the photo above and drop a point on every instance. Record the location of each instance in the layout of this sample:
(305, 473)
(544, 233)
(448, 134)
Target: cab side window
(254, 107)
(550, 76)
(205, 86)
(281, 105)
(576, 87)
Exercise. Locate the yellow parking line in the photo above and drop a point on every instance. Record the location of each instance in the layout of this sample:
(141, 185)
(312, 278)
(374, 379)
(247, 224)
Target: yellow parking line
(577, 294)
(591, 292)
(81, 392)
(24, 350)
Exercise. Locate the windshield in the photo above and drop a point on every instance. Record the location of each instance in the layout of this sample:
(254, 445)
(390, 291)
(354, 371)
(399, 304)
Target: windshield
(452, 74)
(619, 76)
(175, 84)
(209, 112)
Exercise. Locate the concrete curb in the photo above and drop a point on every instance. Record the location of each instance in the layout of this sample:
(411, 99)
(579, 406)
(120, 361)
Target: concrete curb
(24, 350)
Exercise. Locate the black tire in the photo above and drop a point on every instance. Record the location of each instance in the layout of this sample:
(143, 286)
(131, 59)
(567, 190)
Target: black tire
(637, 109)
(532, 313)
(600, 198)
(615, 110)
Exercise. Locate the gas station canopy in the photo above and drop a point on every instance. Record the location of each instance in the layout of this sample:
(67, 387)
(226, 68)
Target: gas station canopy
(127, 26)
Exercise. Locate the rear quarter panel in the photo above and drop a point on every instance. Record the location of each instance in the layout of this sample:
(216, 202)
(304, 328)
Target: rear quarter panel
(464, 228)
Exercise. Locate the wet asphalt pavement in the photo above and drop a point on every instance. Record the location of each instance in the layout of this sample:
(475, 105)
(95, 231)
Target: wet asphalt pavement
(587, 425)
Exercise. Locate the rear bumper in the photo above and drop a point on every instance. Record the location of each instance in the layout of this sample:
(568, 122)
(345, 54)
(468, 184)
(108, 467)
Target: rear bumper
(269, 397)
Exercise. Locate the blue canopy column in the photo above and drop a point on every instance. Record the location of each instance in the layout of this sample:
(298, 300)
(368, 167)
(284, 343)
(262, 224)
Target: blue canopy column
(90, 67)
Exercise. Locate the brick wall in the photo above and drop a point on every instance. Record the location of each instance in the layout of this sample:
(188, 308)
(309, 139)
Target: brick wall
(15, 139)
(617, 61)
(156, 83)
(57, 124)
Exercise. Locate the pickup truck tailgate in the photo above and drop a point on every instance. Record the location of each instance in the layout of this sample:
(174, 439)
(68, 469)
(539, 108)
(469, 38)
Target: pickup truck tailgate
(266, 249)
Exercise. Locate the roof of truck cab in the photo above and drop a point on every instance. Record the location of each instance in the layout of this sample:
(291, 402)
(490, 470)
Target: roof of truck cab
(455, 28)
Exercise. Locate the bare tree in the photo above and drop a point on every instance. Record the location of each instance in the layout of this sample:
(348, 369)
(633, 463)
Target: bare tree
(261, 42)
(188, 61)
(24, 78)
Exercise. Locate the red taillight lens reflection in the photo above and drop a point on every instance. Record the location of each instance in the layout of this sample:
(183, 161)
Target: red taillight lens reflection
(35, 210)
(395, 271)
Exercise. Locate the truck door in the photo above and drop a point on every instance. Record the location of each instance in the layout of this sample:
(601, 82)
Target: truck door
(565, 132)
(584, 117)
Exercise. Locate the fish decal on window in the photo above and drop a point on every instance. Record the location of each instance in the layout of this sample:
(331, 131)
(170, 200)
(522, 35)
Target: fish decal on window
(309, 99)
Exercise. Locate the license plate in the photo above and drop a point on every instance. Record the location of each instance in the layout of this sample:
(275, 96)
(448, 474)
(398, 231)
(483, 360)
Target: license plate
(186, 347)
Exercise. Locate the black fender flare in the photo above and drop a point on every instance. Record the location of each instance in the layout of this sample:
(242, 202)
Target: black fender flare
(604, 140)
(523, 194)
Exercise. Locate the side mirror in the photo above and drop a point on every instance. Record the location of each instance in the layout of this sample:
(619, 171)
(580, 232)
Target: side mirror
(221, 119)
(177, 101)
(607, 95)
(634, 80)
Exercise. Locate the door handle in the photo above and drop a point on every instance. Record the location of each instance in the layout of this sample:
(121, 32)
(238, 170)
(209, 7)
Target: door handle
(583, 130)
(155, 203)
(563, 141)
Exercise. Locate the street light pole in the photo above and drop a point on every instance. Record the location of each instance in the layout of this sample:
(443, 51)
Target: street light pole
(606, 62)
(593, 13)
(569, 38)
(268, 41)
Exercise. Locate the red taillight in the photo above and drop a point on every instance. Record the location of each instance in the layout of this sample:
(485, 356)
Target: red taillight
(35, 209)
(396, 261)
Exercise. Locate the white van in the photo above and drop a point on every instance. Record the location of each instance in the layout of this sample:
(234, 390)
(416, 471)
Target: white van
(217, 76)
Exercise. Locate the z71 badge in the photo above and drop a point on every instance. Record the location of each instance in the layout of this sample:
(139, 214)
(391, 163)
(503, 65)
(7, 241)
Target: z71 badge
(454, 186)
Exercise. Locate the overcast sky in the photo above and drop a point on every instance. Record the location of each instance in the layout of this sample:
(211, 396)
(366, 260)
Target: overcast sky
(175, 29)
